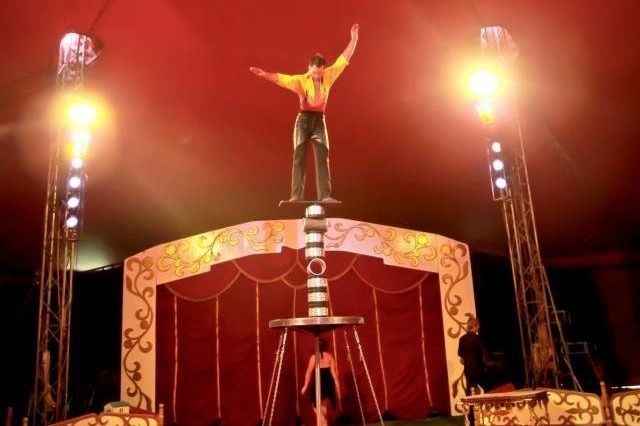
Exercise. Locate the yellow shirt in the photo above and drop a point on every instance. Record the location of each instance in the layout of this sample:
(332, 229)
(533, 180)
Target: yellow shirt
(303, 85)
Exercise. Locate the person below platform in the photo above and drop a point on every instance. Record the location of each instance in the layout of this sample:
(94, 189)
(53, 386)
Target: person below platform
(329, 384)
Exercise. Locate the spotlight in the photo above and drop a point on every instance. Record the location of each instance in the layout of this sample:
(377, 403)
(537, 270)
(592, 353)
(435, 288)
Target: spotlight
(484, 83)
(76, 47)
(73, 202)
(486, 112)
(501, 183)
(79, 142)
(75, 182)
(82, 114)
(72, 221)
(497, 170)
(77, 163)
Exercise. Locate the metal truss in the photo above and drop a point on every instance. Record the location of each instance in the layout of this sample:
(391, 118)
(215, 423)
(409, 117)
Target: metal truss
(49, 402)
(544, 348)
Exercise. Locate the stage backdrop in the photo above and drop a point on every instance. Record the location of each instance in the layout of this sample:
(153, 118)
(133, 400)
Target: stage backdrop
(196, 312)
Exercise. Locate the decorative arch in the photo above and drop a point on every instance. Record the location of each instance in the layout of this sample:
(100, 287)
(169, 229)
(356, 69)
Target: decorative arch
(195, 333)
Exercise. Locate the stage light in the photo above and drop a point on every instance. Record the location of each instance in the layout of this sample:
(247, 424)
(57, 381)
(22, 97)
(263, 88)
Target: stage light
(501, 183)
(78, 48)
(496, 42)
(486, 112)
(82, 114)
(73, 202)
(498, 171)
(80, 139)
(77, 163)
(72, 221)
(75, 182)
(484, 83)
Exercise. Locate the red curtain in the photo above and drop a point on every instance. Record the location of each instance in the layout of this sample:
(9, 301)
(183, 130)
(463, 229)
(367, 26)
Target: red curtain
(216, 352)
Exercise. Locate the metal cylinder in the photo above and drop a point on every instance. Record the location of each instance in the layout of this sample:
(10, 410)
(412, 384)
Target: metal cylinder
(315, 225)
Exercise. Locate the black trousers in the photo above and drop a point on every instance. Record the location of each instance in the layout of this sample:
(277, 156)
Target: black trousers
(310, 128)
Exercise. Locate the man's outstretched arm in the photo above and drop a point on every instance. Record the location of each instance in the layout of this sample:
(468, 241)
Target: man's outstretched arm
(351, 47)
(271, 76)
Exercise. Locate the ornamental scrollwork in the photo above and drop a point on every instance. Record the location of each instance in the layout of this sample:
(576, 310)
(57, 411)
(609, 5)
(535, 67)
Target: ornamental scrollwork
(626, 407)
(420, 244)
(140, 287)
(210, 248)
(576, 407)
(455, 272)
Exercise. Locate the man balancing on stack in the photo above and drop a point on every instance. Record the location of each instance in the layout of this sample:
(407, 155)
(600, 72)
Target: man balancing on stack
(312, 89)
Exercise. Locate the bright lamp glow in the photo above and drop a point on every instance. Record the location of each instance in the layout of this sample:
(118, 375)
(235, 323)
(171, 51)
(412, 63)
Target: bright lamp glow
(501, 183)
(75, 182)
(72, 221)
(496, 147)
(77, 163)
(82, 114)
(497, 165)
(73, 202)
(483, 83)
(80, 142)
(486, 112)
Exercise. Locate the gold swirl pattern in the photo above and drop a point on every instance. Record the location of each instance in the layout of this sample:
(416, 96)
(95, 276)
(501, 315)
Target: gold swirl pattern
(140, 289)
(419, 244)
(457, 272)
(114, 419)
(574, 408)
(515, 408)
(188, 256)
(454, 272)
(625, 407)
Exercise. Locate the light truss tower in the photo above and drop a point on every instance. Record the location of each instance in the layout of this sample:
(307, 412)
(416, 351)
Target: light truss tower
(49, 399)
(544, 348)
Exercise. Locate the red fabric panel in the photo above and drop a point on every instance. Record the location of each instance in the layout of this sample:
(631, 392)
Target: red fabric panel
(401, 343)
(434, 346)
(238, 354)
(205, 286)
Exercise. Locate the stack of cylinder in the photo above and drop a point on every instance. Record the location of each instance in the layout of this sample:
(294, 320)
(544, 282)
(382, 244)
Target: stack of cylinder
(315, 226)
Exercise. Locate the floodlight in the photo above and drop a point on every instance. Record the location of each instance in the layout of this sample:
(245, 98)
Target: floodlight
(496, 41)
(75, 182)
(498, 170)
(79, 142)
(486, 112)
(73, 202)
(82, 114)
(484, 83)
(77, 163)
(72, 221)
(76, 48)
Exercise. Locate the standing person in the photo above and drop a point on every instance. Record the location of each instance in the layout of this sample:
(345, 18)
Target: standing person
(312, 89)
(329, 384)
(473, 356)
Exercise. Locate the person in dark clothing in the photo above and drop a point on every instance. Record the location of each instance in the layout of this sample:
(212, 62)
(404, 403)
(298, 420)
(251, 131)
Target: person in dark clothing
(329, 384)
(473, 356)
